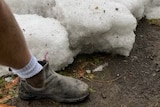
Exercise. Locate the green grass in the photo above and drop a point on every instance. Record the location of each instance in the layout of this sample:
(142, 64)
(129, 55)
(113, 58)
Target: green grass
(154, 22)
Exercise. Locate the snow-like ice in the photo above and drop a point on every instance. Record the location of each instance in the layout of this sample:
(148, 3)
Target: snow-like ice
(152, 11)
(46, 38)
(40, 7)
(97, 26)
(88, 26)
(138, 8)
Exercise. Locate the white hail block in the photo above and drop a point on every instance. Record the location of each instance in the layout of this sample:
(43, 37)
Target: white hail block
(46, 38)
(97, 25)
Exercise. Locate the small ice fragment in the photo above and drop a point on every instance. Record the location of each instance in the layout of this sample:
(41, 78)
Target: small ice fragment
(100, 68)
(8, 79)
(88, 71)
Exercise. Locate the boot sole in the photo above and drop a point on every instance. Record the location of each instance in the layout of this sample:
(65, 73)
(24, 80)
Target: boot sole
(73, 100)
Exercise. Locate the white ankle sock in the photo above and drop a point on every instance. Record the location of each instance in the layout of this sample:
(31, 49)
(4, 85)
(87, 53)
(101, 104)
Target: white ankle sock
(31, 69)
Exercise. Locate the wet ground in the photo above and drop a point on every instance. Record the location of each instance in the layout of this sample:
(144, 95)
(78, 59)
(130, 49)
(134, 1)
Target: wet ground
(132, 81)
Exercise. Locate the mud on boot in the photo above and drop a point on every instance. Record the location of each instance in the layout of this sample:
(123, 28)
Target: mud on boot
(55, 86)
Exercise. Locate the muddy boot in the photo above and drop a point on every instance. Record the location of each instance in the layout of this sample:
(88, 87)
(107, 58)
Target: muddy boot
(57, 87)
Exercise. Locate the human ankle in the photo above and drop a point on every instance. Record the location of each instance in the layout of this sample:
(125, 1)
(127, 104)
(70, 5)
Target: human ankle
(29, 70)
(37, 80)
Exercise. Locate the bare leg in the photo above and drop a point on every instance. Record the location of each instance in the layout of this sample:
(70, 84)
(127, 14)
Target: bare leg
(13, 48)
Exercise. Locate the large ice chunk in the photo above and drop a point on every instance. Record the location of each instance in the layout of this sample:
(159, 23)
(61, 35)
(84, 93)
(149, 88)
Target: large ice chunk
(97, 25)
(93, 25)
(46, 37)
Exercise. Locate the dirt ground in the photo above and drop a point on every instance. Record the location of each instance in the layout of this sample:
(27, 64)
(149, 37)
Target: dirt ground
(132, 81)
